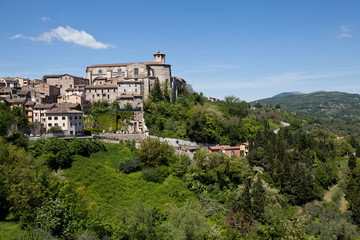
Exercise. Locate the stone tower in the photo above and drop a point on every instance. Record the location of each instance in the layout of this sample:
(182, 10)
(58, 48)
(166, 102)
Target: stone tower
(159, 57)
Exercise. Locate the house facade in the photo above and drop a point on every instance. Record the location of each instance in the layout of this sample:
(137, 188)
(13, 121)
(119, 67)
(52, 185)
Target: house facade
(70, 121)
(64, 81)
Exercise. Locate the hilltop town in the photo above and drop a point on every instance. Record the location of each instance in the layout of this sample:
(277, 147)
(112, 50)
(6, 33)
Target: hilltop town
(58, 100)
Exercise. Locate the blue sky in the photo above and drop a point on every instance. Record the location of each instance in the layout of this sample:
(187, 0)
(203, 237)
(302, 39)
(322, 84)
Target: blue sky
(249, 49)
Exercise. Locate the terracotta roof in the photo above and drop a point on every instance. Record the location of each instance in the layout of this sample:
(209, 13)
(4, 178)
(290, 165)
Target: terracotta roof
(61, 75)
(5, 89)
(224, 147)
(126, 64)
(66, 105)
(124, 81)
(101, 86)
(29, 103)
(16, 100)
(45, 105)
(62, 110)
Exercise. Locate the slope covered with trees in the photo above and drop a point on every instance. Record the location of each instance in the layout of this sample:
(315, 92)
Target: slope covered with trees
(328, 105)
(301, 182)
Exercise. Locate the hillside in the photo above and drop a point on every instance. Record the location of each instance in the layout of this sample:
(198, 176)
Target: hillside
(330, 105)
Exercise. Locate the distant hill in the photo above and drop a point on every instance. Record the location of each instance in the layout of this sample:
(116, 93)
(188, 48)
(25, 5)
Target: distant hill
(331, 105)
(287, 93)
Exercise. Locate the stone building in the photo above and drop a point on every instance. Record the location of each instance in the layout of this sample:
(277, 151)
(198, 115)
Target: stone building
(142, 73)
(43, 93)
(29, 110)
(64, 81)
(70, 121)
(39, 112)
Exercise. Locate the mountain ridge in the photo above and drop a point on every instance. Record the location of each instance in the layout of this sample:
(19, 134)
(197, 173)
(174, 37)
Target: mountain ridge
(329, 105)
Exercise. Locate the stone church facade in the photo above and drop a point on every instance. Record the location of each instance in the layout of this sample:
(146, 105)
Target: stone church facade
(142, 74)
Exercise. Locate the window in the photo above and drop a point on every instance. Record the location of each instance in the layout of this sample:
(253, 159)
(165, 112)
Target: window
(63, 124)
(98, 95)
(108, 96)
(129, 84)
(124, 90)
(49, 118)
(119, 84)
(232, 153)
(60, 86)
(104, 95)
(63, 118)
(70, 118)
(135, 84)
(119, 72)
(135, 89)
(71, 132)
(55, 118)
(136, 71)
(70, 85)
(100, 73)
(108, 90)
(49, 124)
(80, 117)
(55, 124)
(93, 96)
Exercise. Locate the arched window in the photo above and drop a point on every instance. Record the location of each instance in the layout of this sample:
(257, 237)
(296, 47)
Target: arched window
(100, 73)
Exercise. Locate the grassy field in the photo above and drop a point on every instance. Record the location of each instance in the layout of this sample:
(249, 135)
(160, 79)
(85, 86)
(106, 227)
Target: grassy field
(112, 157)
(116, 192)
(9, 231)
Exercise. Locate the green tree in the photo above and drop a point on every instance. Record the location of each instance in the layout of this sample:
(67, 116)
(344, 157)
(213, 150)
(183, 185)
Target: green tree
(21, 119)
(156, 94)
(259, 198)
(155, 153)
(352, 162)
(55, 129)
(114, 104)
(302, 184)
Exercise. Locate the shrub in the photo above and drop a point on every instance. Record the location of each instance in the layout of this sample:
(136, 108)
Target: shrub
(55, 129)
(131, 165)
(155, 153)
(152, 174)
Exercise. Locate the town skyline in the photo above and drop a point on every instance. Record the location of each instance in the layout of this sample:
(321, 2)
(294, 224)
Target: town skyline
(249, 50)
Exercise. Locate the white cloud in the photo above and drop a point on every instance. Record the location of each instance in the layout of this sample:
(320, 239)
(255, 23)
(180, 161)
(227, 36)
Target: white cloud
(68, 34)
(345, 31)
(45, 19)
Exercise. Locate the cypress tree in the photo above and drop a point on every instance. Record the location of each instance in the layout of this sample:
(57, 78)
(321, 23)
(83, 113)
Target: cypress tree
(258, 204)
(352, 162)
(156, 93)
(302, 184)
(245, 199)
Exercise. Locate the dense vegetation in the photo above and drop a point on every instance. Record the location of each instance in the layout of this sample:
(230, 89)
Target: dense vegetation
(102, 116)
(302, 182)
(328, 105)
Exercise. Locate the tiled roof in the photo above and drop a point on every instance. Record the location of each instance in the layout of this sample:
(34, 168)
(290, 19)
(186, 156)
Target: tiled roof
(16, 100)
(44, 106)
(29, 103)
(126, 64)
(66, 105)
(62, 110)
(100, 86)
(60, 75)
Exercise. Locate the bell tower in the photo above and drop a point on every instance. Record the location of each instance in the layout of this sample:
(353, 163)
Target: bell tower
(159, 57)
